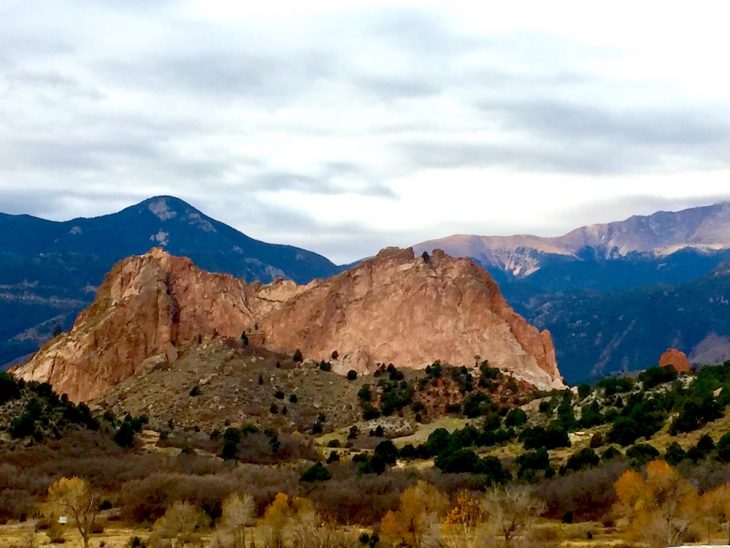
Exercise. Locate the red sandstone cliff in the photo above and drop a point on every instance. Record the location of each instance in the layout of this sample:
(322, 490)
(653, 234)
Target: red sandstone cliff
(394, 308)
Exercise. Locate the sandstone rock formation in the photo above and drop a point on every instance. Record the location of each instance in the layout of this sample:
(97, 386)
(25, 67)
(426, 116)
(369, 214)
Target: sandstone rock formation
(677, 358)
(394, 308)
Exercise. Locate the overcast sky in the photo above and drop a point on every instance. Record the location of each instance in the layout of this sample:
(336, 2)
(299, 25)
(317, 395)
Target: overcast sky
(344, 127)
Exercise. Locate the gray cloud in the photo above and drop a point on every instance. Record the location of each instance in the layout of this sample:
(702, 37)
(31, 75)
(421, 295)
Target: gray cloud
(563, 137)
(224, 75)
(101, 108)
(649, 126)
(330, 178)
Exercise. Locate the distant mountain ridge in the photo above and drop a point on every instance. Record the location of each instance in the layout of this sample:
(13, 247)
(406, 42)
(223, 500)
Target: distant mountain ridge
(583, 286)
(49, 270)
(705, 228)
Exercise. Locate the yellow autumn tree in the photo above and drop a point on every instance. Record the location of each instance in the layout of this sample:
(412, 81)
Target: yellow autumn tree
(293, 521)
(416, 522)
(659, 504)
(465, 523)
(275, 517)
(74, 498)
(714, 510)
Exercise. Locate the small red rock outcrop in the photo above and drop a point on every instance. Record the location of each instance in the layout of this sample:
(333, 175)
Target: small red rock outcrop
(393, 308)
(677, 358)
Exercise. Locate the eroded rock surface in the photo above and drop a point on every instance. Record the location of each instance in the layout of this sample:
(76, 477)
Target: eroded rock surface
(395, 308)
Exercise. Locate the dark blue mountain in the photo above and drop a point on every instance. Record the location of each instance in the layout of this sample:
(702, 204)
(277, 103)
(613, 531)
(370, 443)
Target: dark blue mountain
(596, 333)
(49, 270)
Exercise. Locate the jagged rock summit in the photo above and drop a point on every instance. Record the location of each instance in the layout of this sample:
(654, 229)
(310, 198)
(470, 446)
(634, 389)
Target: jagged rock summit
(395, 308)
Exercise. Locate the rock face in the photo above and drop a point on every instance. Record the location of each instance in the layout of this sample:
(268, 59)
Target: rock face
(677, 358)
(394, 308)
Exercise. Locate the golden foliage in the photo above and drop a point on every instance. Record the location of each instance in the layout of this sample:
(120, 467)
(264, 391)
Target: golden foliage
(465, 525)
(416, 522)
(714, 508)
(659, 504)
(74, 498)
(467, 510)
(293, 521)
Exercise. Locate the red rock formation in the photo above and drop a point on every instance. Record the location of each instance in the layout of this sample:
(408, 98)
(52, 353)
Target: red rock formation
(677, 358)
(144, 307)
(393, 308)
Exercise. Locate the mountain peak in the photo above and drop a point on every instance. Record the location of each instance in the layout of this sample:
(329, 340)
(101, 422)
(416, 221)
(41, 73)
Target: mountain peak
(704, 228)
(161, 208)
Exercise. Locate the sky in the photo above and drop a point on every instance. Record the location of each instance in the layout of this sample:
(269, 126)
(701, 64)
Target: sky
(344, 127)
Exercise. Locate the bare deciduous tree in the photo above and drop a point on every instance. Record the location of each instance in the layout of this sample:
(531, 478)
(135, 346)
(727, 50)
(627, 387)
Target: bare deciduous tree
(180, 523)
(238, 512)
(513, 511)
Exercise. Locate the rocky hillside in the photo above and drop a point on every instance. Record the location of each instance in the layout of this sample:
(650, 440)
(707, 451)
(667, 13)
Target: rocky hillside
(393, 308)
(49, 271)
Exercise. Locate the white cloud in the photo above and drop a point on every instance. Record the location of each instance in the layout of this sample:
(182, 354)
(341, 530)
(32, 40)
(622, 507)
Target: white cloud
(347, 126)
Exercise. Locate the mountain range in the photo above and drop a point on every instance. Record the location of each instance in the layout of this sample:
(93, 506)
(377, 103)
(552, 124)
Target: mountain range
(613, 295)
(49, 271)
(658, 235)
(616, 295)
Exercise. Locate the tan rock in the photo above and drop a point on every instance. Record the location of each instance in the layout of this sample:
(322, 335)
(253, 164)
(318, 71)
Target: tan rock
(394, 308)
(677, 358)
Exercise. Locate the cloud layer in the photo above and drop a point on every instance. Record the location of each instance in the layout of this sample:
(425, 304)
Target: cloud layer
(345, 127)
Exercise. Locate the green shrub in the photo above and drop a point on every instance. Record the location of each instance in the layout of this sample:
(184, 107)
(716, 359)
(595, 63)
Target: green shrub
(476, 405)
(584, 390)
(549, 438)
(387, 451)
(641, 453)
(9, 388)
(585, 458)
(515, 417)
(654, 376)
(723, 448)
(317, 472)
(124, 436)
(675, 454)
